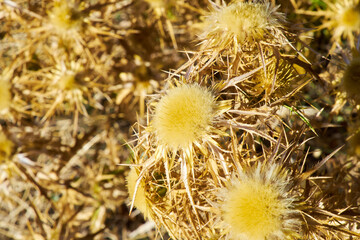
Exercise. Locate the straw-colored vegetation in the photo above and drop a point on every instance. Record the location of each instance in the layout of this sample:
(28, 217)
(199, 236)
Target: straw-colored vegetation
(179, 119)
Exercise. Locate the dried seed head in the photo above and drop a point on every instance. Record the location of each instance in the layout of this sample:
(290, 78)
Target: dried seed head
(257, 206)
(351, 80)
(140, 197)
(245, 22)
(183, 116)
(343, 17)
(65, 16)
(5, 95)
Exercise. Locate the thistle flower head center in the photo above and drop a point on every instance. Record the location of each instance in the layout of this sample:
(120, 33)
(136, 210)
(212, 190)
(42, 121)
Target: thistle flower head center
(351, 18)
(244, 18)
(183, 115)
(254, 209)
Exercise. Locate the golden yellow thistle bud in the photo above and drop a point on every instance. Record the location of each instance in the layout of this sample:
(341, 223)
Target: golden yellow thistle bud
(183, 116)
(257, 206)
(241, 23)
(350, 18)
(65, 16)
(343, 19)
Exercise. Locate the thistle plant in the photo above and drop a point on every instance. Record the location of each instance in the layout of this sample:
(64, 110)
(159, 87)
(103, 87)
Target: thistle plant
(184, 116)
(237, 66)
(242, 36)
(240, 25)
(273, 82)
(258, 205)
(342, 77)
(342, 18)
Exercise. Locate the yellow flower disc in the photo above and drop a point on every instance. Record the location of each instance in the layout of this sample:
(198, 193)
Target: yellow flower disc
(350, 18)
(254, 210)
(183, 116)
(258, 205)
(244, 20)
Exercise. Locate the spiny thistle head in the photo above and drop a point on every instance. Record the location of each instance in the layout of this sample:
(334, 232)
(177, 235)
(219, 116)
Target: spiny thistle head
(6, 147)
(257, 205)
(351, 80)
(65, 15)
(140, 197)
(350, 18)
(5, 95)
(344, 18)
(183, 115)
(244, 22)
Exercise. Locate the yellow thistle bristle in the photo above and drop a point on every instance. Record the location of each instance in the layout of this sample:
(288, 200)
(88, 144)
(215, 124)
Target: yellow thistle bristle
(140, 198)
(351, 80)
(183, 116)
(6, 147)
(5, 95)
(65, 16)
(244, 21)
(256, 206)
